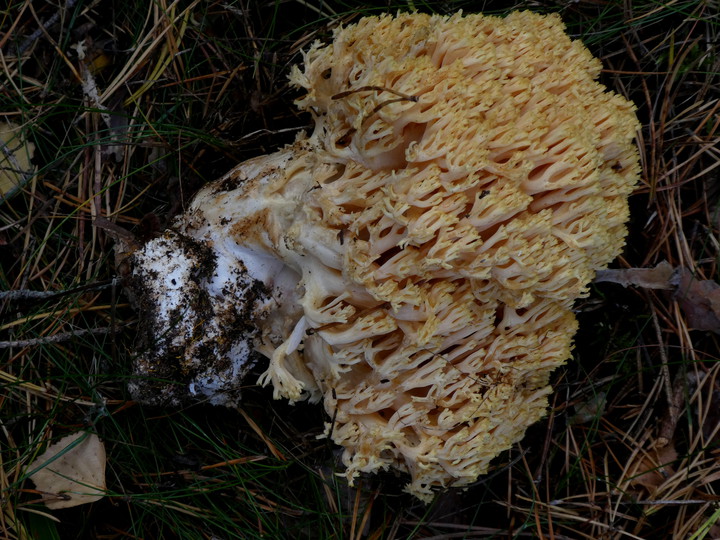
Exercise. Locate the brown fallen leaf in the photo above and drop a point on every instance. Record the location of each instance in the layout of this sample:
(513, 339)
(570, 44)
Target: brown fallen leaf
(71, 472)
(707, 408)
(651, 468)
(699, 300)
(648, 278)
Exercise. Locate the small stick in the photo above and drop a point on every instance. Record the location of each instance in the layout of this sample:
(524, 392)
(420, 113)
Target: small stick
(47, 24)
(57, 338)
(26, 294)
(344, 140)
(405, 97)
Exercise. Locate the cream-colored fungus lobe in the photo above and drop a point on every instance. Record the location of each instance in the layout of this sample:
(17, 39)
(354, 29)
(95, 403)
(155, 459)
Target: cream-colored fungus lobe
(418, 254)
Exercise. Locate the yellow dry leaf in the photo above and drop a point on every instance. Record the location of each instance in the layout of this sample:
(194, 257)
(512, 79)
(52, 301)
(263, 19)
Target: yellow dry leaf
(71, 472)
(15, 156)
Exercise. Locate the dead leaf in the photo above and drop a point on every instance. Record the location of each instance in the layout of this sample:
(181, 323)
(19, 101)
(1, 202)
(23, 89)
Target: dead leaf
(699, 300)
(707, 404)
(653, 467)
(590, 410)
(71, 472)
(15, 156)
(648, 278)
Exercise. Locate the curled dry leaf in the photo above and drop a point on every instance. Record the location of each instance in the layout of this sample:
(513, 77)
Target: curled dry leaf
(708, 408)
(650, 469)
(71, 472)
(647, 278)
(15, 156)
(699, 300)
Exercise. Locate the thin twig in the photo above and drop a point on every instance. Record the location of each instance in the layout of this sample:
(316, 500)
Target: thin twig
(25, 45)
(378, 89)
(57, 338)
(25, 294)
